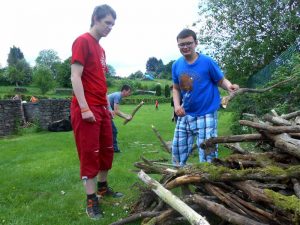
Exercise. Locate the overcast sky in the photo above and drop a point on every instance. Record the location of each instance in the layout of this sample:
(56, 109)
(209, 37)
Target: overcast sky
(143, 29)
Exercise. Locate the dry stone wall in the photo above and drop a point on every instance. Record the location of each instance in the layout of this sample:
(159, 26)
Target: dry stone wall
(44, 112)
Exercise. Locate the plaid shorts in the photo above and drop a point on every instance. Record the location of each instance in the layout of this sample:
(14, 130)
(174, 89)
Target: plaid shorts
(189, 127)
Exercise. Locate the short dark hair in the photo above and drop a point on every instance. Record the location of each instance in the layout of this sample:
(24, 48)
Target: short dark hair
(187, 33)
(126, 87)
(102, 11)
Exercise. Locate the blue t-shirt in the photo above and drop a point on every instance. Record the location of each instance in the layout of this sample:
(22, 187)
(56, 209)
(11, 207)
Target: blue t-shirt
(198, 83)
(114, 98)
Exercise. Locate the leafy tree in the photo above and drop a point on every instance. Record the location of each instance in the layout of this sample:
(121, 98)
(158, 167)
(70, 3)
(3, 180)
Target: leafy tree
(15, 54)
(20, 73)
(167, 91)
(167, 72)
(158, 90)
(247, 35)
(64, 73)
(137, 75)
(48, 58)
(43, 79)
(111, 71)
(154, 66)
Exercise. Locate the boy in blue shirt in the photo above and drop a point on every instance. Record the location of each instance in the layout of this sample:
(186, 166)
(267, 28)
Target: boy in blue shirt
(196, 78)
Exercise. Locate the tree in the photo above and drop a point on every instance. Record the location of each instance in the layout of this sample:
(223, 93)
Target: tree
(64, 73)
(137, 75)
(158, 89)
(43, 79)
(154, 66)
(111, 71)
(15, 54)
(20, 73)
(48, 58)
(167, 91)
(167, 72)
(244, 36)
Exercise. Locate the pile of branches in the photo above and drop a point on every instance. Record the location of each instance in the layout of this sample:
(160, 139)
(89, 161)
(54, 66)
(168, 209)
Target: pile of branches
(249, 187)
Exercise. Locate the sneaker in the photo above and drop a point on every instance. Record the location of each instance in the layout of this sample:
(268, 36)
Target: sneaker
(93, 210)
(117, 151)
(108, 191)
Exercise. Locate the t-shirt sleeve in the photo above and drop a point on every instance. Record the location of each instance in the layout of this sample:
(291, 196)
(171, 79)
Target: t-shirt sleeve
(174, 74)
(80, 51)
(215, 71)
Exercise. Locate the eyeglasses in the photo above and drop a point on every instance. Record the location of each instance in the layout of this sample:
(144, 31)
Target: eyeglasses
(185, 44)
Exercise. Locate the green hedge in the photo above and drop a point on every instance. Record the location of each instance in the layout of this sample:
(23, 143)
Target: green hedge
(135, 101)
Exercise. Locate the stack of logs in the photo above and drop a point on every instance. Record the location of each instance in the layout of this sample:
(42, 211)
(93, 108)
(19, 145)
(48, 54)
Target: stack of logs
(250, 187)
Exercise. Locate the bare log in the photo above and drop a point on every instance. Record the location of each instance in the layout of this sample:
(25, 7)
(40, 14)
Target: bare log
(164, 144)
(232, 139)
(226, 99)
(134, 112)
(271, 129)
(236, 148)
(296, 187)
(277, 120)
(193, 217)
(286, 144)
(223, 212)
(291, 115)
(136, 217)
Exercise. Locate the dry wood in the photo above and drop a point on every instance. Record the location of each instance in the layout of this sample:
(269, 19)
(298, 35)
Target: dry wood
(135, 217)
(277, 120)
(232, 139)
(134, 112)
(286, 144)
(193, 217)
(271, 129)
(226, 99)
(290, 115)
(223, 212)
(164, 144)
(296, 187)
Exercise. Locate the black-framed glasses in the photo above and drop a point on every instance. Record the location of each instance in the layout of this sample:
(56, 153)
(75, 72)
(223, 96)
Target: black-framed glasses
(185, 44)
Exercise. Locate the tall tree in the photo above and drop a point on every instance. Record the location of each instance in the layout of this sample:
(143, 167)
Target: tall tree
(154, 66)
(20, 73)
(48, 58)
(15, 54)
(64, 73)
(111, 71)
(244, 36)
(43, 79)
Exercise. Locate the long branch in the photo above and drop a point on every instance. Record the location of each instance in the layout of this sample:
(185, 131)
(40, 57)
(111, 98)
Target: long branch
(134, 111)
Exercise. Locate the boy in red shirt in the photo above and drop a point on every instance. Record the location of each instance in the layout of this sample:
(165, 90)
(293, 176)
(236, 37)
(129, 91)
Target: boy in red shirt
(90, 117)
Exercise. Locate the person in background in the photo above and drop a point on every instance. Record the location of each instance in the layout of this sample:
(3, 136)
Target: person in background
(90, 117)
(156, 104)
(114, 102)
(196, 78)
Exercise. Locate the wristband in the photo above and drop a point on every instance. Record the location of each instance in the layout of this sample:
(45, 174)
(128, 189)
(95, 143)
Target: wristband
(85, 110)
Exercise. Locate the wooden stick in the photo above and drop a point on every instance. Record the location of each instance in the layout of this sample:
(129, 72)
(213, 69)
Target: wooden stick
(164, 144)
(226, 99)
(223, 212)
(193, 217)
(135, 217)
(134, 111)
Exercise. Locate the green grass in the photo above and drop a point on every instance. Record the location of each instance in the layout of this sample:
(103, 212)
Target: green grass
(37, 168)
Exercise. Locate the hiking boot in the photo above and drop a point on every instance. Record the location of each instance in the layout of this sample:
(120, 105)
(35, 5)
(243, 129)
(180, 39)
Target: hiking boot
(108, 191)
(93, 210)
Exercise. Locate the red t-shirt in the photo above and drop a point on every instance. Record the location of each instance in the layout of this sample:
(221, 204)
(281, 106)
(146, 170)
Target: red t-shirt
(87, 51)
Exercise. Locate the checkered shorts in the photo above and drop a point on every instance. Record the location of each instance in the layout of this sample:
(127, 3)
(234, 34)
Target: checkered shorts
(189, 127)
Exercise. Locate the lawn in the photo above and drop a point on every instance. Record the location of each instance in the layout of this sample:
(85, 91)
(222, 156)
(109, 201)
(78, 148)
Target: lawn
(40, 182)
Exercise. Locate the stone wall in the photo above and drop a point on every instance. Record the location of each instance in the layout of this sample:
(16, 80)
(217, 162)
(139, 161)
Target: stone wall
(10, 116)
(44, 112)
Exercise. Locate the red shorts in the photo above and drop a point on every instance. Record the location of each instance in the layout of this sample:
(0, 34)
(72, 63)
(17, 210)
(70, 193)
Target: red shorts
(93, 140)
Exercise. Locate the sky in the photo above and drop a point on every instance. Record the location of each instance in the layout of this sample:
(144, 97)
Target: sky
(143, 29)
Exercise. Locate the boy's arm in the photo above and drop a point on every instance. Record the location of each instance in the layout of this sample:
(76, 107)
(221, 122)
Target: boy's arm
(179, 110)
(227, 85)
(76, 73)
(120, 113)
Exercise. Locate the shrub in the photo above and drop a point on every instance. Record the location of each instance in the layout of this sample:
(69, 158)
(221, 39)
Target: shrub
(158, 90)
